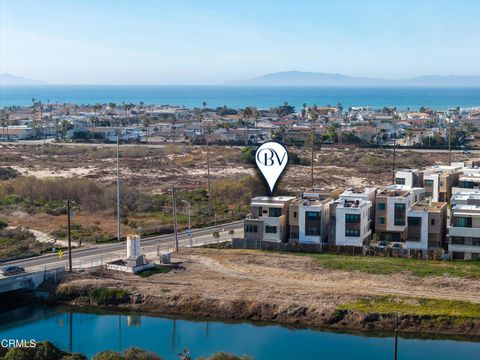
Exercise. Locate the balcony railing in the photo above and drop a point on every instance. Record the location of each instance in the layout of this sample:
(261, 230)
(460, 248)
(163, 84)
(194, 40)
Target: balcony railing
(463, 231)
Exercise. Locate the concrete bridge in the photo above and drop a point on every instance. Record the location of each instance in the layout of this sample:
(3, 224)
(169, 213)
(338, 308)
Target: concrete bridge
(30, 280)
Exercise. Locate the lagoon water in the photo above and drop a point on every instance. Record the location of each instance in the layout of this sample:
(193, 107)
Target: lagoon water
(90, 333)
(242, 96)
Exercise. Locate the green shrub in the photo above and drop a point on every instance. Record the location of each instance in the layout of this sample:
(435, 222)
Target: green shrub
(108, 355)
(104, 295)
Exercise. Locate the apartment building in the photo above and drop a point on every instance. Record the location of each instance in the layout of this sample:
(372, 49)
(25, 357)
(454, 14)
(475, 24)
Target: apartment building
(392, 204)
(466, 198)
(426, 226)
(469, 181)
(309, 216)
(439, 181)
(464, 229)
(352, 216)
(268, 220)
(352, 222)
(409, 178)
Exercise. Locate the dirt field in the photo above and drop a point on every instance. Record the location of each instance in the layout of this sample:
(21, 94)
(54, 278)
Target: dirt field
(284, 288)
(154, 170)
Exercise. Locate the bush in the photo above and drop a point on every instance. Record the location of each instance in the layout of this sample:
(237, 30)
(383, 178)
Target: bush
(7, 173)
(226, 356)
(104, 296)
(108, 355)
(140, 354)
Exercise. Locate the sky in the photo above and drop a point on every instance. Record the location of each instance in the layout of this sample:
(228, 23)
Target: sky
(213, 42)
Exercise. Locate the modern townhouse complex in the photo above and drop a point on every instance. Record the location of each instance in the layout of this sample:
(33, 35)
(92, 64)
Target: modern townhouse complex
(351, 217)
(464, 228)
(392, 203)
(309, 216)
(469, 181)
(268, 220)
(426, 226)
(414, 211)
(409, 178)
(439, 181)
(352, 222)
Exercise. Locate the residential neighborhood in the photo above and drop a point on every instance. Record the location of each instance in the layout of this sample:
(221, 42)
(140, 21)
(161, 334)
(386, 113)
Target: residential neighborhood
(430, 210)
(141, 123)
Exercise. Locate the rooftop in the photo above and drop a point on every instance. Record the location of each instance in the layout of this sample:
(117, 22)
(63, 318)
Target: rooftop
(271, 200)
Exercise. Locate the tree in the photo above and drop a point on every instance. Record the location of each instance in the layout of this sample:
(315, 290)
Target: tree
(204, 104)
(4, 119)
(409, 136)
(340, 107)
(247, 113)
(146, 124)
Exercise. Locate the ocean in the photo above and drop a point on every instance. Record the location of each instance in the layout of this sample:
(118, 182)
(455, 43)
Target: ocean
(241, 96)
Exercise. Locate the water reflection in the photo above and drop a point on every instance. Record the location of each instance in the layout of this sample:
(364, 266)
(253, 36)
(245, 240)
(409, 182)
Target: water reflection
(90, 333)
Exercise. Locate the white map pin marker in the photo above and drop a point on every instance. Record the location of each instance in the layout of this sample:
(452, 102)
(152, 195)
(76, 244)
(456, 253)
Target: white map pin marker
(271, 158)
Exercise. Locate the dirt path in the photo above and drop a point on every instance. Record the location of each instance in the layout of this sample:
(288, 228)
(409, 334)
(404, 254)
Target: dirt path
(340, 282)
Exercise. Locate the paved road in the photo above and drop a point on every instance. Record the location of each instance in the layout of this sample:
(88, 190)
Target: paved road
(105, 249)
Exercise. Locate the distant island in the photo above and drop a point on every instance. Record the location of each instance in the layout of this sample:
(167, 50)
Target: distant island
(303, 78)
(9, 79)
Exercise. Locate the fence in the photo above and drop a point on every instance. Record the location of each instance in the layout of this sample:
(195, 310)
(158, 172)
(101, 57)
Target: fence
(150, 251)
(239, 243)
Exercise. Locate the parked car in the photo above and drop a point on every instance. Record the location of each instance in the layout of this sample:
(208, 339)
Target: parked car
(382, 244)
(11, 270)
(466, 151)
(396, 246)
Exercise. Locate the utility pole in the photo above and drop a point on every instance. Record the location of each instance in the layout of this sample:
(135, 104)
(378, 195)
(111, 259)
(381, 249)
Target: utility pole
(394, 150)
(69, 237)
(311, 160)
(118, 185)
(175, 227)
(449, 141)
(208, 181)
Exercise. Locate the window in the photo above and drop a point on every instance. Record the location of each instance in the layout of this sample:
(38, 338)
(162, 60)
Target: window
(251, 228)
(432, 222)
(259, 211)
(381, 220)
(399, 221)
(274, 212)
(414, 221)
(352, 232)
(270, 229)
(428, 182)
(312, 223)
(400, 181)
(466, 184)
(294, 214)
(464, 222)
(399, 207)
(352, 218)
(442, 183)
(381, 206)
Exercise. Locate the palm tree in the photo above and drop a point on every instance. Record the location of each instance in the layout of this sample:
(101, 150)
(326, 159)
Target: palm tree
(204, 104)
(146, 124)
(4, 119)
(247, 113)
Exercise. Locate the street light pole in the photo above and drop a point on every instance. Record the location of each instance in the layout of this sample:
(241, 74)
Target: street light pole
(175, 227)
(189, 222)
(69, 237)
